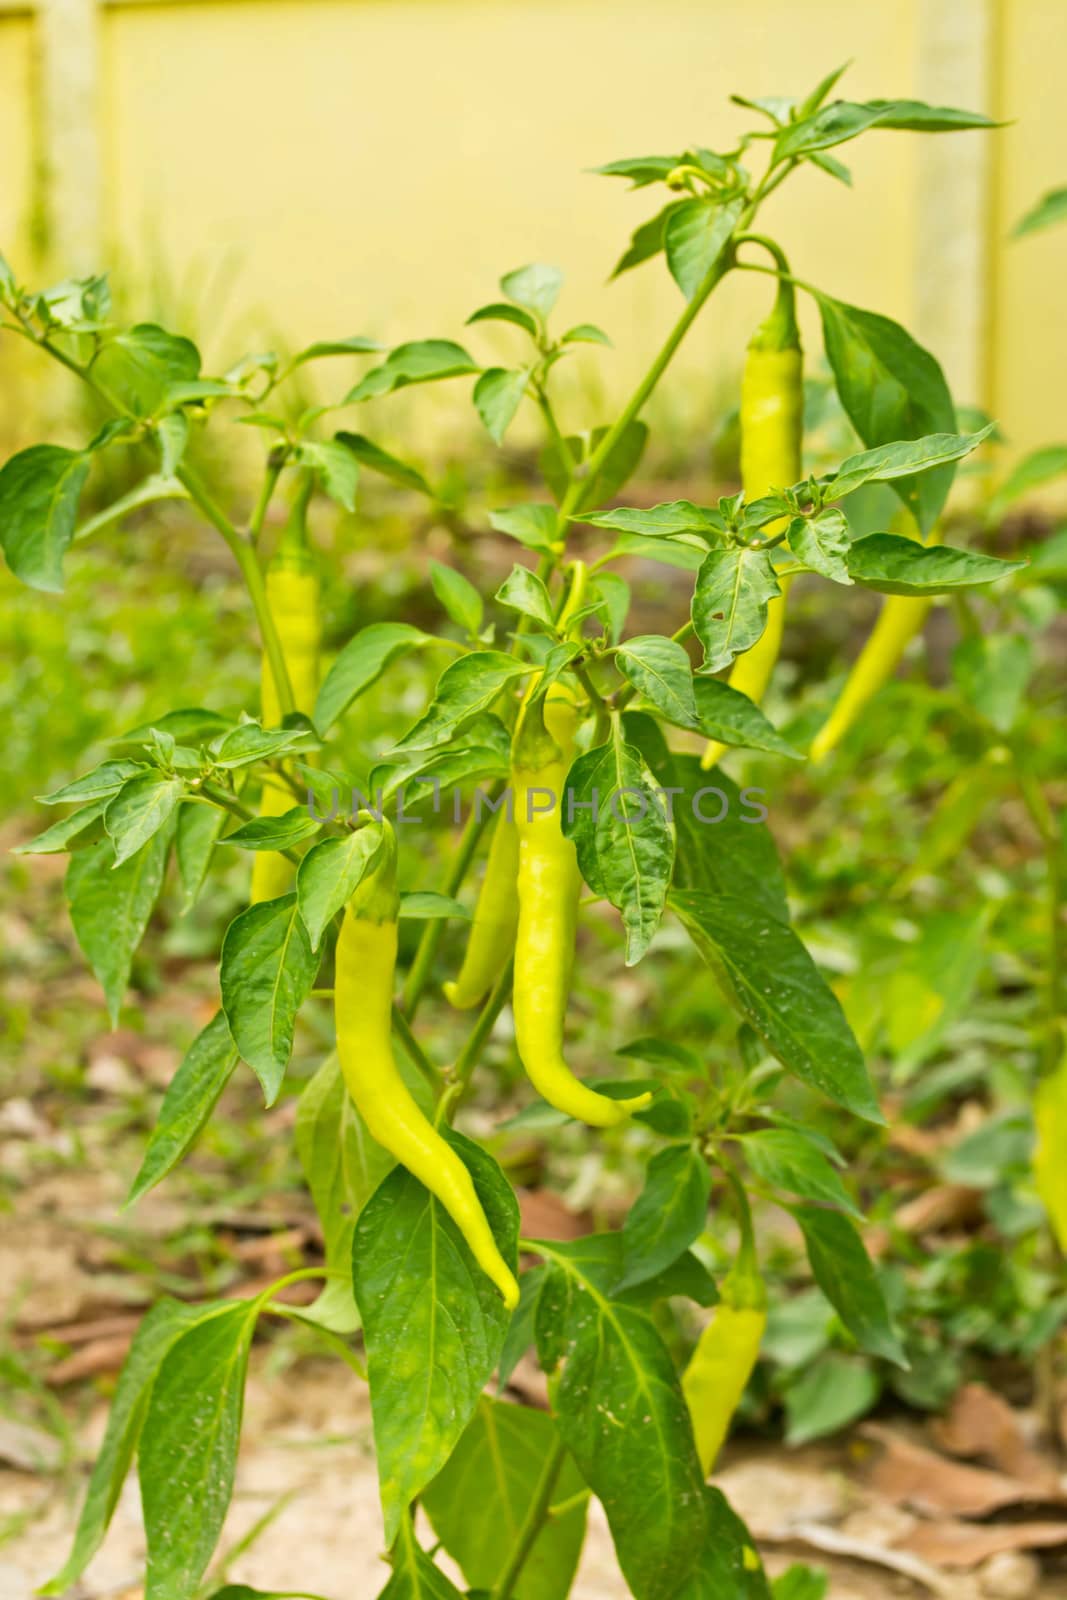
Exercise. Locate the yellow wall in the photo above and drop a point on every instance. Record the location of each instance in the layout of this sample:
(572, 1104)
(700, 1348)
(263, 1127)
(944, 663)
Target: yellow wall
(313, 167)
(16, 143)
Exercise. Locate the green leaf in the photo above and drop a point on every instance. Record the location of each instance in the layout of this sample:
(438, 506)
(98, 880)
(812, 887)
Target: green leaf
(188, 1449)
(659, 669)
(330, 873)
(1050, 209)
(188, 1103)
(789, 1160)
(827, 1395)
(80, 305)
(458, 596)
(478, 1502)
(844, 1273)
(342, 1167)
(355, 346)
(110, 909)
(621, 1413)
(695, 236)
(523, 591)
(1039, 467)
(497, 396)
(275, 833)
(143, 805)
(729, 1567)
(585, 333)
(195, 837)
(686, 1277)
(418, 1289)
(769, 976)
(725, 714)
(498, 311)
(536, 287)
(822, 542)
(614, 596)
(138, 368)
(415, 1576)
(465, 688)
(624, 840)
(360, 664)
(669, 520)
(157, 1332)
(268, 968)
(424, 905)
(730, 603)
(189, 722)
(39, 492)
(903, 458)
(369, 454)
(647, 240)
(800, 1583)
(99, 784)
(828, 164)
(891, 389)
(992, 671)
(335, 466)
(669, 1213)
(893, 565)
(424, 361)
(248, 743)
(723, 846)
(845, 119)
(533, 525)
(83, 827)
(641, 170)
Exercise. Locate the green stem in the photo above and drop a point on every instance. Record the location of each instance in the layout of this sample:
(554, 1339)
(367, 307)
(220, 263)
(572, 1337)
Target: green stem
(413, 1049)
(536, 1513)
(275, 463)
(244, 554)
(426, 953)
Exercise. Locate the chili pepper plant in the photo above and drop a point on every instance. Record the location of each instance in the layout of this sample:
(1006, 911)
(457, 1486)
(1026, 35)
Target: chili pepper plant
(585, 744)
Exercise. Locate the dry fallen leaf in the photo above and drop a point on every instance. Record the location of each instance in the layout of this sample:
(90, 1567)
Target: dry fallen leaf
(909, 1474)
(981, 1425)
(962, 1544)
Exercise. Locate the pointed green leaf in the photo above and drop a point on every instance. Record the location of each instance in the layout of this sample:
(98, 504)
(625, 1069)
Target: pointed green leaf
(730, 603)
(268, 968)
(418, 1289)
(770, 977)
(844, 1273)
(669, 1213)
(892, 565)
(110, 907)
(361, 663)
(191, 1097)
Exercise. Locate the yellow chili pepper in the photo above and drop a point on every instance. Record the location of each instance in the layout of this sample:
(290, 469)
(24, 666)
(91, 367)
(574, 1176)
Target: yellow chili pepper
(293, 596)
(728, 1348)
(772, 426)
(496, 916)
(363, 1000)
(549, 884)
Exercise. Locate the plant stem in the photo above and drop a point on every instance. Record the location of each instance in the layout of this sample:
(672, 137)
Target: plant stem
(536, 1513)
(413, 1049)
(275, 463)
(420, 969)
(243, 553)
